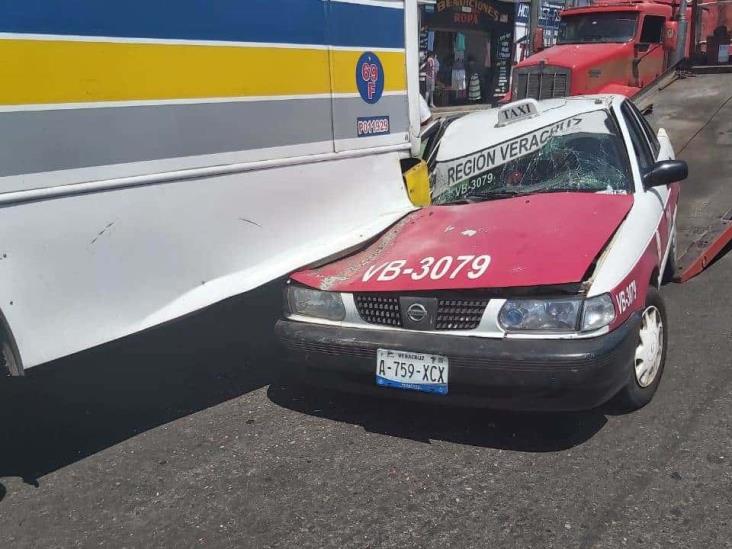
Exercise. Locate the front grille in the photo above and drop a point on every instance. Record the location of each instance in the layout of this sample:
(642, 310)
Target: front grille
(454, 313)
(459, 314)
(551, 82)
(379, 309)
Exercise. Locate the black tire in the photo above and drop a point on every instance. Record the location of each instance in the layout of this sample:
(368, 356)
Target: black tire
(633, 396)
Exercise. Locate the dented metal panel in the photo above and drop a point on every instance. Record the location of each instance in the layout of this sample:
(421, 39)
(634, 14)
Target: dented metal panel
(525, 241)
(81, 270)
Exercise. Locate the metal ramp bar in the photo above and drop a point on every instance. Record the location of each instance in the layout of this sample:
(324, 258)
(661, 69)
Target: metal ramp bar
(702, 252)
(696, 112)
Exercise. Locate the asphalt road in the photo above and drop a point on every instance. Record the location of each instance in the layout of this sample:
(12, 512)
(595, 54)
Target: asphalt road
(186, 436)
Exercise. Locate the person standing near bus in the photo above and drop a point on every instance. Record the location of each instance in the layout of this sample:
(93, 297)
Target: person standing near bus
(431, 69)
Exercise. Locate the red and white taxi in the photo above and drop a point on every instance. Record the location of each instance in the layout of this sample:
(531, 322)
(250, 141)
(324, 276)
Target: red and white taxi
(531, 282)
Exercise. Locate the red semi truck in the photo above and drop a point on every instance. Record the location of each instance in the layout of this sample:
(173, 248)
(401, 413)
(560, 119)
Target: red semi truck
(629, 48)
(609, 47)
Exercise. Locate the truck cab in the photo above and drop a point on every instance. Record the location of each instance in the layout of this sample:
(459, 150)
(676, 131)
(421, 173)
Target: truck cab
(609, 47)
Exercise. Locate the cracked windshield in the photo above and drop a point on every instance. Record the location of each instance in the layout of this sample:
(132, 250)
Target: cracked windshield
(584, 153)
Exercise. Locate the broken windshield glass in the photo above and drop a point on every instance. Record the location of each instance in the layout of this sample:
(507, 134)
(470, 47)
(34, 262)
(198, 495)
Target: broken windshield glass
(584, 153)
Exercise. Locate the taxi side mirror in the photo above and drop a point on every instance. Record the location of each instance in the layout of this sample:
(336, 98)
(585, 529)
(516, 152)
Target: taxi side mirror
(417, 181)
(666, 172)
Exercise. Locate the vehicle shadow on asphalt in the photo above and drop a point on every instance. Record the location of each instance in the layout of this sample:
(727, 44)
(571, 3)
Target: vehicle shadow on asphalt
(526, 432)
(64, 411)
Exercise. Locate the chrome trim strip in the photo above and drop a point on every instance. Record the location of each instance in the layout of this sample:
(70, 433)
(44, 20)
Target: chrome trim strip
(489, 326)
(72, 189)
(567, 335)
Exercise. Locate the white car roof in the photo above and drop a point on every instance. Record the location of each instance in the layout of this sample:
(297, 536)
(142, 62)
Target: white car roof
(478, 130)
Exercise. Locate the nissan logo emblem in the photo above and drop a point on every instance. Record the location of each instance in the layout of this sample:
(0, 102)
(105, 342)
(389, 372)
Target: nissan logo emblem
(416, 312)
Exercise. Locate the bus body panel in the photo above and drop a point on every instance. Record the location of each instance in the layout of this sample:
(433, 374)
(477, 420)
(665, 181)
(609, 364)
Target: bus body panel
(156, 161)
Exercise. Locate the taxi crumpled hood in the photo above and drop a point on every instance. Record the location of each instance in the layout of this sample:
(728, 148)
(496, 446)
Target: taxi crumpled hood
(534, 240)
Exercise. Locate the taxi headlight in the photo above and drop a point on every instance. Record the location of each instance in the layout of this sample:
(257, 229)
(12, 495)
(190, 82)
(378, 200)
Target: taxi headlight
(557, 315)
(315, 303)
(598, 312)
(547, 315)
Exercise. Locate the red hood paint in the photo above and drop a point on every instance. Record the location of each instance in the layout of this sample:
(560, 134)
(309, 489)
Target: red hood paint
(534, 240)
(580, 56)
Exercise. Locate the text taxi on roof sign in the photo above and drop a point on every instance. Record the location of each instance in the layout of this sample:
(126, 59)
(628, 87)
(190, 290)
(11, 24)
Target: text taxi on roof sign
(517, 110)
(531, 282)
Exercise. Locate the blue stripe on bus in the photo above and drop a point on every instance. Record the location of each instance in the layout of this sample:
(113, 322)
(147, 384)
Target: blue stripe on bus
(268, 21)
(360, 24)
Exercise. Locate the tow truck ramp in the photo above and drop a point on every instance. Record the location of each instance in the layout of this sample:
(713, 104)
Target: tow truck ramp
(696, 111)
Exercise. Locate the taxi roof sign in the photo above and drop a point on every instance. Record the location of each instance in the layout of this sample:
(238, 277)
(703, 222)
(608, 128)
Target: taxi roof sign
(518, 110)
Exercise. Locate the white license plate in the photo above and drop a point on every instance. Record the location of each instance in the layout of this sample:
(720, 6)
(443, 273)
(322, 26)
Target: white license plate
(412, 371)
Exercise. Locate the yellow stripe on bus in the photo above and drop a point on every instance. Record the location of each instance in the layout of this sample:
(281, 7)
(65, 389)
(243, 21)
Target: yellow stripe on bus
(344, 70)
(50, 71)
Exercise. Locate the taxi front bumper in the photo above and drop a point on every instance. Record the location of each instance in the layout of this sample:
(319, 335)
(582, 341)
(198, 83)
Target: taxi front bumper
(514, 374)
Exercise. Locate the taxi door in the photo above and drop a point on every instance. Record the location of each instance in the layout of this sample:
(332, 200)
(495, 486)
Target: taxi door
(658, 202)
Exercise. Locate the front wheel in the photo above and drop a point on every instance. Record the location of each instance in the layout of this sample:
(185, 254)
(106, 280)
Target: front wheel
(650, 355)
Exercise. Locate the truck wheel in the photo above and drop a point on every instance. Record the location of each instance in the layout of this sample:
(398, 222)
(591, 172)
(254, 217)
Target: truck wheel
(650, 355)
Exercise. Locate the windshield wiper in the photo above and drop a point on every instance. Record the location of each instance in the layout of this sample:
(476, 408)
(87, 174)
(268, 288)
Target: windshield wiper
(473, 198)
(564, 190)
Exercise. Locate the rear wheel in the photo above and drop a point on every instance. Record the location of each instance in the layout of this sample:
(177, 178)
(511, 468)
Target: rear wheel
(650, 355)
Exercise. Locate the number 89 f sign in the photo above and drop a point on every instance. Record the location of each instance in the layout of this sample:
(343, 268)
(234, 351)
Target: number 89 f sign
(370, 77)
